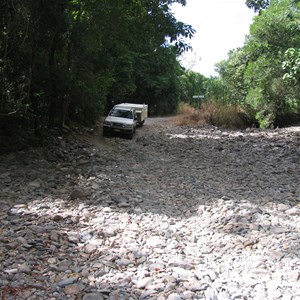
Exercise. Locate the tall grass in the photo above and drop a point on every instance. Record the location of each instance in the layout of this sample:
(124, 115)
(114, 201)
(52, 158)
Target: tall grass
(189, 116)
(212, 113)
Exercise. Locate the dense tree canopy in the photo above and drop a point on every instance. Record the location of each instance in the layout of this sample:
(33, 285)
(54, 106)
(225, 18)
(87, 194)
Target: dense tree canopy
(258, 5)
(291, 65)
(69, 61)
(263, 76)
(192, 83)
(66, 61)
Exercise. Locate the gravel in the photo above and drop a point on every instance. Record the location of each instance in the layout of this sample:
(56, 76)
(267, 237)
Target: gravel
(175, 213)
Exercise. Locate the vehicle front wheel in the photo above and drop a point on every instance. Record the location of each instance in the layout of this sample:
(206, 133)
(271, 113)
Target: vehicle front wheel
(105, 131)
(131, 134)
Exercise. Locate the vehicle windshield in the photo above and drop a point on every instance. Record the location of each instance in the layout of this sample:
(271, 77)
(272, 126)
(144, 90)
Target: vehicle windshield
(121, 113)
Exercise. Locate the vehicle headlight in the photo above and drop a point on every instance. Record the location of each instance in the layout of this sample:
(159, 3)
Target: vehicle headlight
(127, 126)
(107, 123)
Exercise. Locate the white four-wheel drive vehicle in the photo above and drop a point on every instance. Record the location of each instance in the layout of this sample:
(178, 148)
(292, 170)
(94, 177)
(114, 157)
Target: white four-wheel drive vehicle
(120, 120)
(124, 118)
(140, 109)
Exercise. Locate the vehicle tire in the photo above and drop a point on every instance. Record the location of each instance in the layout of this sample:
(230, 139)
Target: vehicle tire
(131, 134)
(105, 131)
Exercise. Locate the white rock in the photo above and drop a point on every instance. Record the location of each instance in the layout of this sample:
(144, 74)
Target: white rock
(143, 282)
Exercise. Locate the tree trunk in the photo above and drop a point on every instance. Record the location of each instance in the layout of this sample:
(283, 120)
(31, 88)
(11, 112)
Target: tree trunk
(66, 100)
(53, 88)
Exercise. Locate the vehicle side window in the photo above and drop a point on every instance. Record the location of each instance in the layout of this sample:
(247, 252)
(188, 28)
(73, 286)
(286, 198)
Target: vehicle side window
(128, 115)
(112, 113)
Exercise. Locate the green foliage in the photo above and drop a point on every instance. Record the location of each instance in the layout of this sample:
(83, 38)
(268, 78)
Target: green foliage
(65, 61)
(157, 80)
(214, 88)
(258, 5)
(191, 83)
(232, 75)
(291, 65)
(258, 76)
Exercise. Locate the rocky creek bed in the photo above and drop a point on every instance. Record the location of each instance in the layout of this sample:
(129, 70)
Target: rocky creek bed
(175, 213)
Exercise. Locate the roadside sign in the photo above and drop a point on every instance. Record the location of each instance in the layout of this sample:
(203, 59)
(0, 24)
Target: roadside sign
(198, 97)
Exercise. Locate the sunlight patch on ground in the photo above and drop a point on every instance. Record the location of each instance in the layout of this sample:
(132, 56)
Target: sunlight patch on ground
(218, 134)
